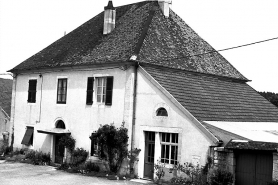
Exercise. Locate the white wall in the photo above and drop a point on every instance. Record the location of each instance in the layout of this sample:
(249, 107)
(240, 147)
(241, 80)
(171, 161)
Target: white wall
(193, 143)
(80, 119)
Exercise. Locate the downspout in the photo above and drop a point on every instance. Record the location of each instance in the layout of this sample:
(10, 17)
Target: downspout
(134, 104)
(13, 109)
(41, 76)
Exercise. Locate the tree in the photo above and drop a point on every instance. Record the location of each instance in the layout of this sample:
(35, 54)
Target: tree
(113, 145)
(271, 97)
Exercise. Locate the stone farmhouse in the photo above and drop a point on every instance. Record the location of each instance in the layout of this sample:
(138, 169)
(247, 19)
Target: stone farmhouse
(140, 64)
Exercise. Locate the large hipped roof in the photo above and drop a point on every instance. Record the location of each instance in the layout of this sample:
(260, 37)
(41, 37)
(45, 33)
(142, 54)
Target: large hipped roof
(141, 29)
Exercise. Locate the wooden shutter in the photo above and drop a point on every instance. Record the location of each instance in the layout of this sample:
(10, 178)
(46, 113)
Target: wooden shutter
(109, 90)
(90, 90)
(28, 136)
(32, 91)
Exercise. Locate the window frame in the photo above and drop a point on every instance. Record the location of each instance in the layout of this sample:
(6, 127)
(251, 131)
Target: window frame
(168, 160)
(32, 91)
(64, 93)
(106, 88)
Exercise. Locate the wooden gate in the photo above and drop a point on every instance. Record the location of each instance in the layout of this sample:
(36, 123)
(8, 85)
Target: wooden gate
(253, 168)
(149, 155)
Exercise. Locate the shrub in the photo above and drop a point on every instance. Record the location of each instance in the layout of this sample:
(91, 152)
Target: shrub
(78, 156)
(67, 141)
(218, 176)
(63, 166)
(38, 158)
(113, 145)
(179, 180)
(91, 167)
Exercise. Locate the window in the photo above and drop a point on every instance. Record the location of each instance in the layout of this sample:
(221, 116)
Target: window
(161, 112)
(32, 91)
(28, 136)
(90, 91)
(60, 124)
(62, 91)
(104, 92)
(169, 148)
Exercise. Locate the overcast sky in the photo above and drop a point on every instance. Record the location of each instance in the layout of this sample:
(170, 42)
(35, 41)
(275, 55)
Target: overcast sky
(28, 26)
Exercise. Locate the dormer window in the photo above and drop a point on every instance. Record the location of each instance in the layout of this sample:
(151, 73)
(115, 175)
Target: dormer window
(162, 112)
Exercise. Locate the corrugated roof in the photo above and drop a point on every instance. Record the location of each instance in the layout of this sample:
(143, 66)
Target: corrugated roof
(6, 95)
(255, 131)
(212, 98)
(166, 39)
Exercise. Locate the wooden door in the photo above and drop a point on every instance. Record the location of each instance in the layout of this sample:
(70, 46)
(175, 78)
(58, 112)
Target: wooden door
(59, 150)
(253, 168)
(149, 155)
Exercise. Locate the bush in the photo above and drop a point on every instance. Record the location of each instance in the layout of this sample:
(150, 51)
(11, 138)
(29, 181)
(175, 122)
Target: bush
(38, 158)
(91, 167)
(179, 180)
(67, 141)
(113, 144)
(63, 166)
(78, 156)
(218, 176)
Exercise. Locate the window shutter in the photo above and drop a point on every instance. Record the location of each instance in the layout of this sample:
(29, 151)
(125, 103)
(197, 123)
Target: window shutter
(90, 90)
(28, 136)
(109, 90)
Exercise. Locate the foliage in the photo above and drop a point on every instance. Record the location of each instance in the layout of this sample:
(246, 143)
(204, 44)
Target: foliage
(179, 180)
(195, 173)
(207, 166)
(113, 145)
(91, 167)
(38, 158)
(4, 147)
(274, 182)
(63, 166)
(133, 157)
(159, 169)
(271, 97)
(78, 156)
(68, 141)
(218, 176)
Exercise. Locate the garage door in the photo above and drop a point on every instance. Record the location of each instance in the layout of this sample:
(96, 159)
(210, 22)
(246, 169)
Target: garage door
(253, 168)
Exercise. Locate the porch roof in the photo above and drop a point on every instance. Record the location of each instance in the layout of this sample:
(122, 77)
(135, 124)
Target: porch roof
(54, 131)
(254, 131)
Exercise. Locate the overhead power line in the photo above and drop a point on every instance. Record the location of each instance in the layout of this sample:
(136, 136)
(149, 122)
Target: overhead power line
(214, 51)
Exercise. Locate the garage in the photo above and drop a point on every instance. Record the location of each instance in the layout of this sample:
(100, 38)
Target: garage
(253, 167)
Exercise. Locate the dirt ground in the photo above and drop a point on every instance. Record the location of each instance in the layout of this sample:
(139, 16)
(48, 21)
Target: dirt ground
(12, 173)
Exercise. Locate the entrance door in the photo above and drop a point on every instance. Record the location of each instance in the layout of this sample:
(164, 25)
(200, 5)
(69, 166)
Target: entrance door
(59, 150)
(149, 155)
(253, 168)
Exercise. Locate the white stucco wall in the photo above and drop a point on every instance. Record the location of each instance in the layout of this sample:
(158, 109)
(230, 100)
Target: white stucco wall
(193, 143)
(80, 119)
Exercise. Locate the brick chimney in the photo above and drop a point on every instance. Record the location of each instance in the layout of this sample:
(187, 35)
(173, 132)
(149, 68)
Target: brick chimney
(165, 6)
(109, 18)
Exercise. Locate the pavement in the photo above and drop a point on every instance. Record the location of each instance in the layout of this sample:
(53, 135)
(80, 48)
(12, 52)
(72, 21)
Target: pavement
(14, 173)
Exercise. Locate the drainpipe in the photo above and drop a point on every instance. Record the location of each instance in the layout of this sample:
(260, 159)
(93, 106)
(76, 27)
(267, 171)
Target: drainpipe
(134, 104)
(13, 108)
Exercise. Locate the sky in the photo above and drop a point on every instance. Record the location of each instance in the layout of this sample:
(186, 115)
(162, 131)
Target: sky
(28, 26)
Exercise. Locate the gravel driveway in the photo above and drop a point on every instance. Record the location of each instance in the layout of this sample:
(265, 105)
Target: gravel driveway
(21, 174)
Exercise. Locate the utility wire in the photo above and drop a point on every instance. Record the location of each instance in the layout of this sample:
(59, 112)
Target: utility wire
(214, 51)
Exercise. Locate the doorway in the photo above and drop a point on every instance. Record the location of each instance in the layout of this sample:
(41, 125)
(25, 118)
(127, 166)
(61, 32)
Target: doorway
(59, 150)
(253, 168)
(149, 155)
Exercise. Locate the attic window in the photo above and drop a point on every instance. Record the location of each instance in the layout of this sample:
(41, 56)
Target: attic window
(162, 112)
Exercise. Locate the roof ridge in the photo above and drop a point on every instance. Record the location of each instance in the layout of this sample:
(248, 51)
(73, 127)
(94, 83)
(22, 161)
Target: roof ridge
(144, 31)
